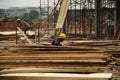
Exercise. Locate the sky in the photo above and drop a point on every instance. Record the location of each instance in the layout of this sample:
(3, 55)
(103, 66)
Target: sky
(19, 3)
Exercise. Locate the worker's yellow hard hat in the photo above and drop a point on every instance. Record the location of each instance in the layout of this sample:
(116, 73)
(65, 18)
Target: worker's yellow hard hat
(62, 35)
(18, 19)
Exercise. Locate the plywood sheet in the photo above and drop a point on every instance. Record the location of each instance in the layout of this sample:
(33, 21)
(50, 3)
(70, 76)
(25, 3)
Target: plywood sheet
(63, 13)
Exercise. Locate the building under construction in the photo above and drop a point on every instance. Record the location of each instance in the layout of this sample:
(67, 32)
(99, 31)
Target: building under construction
(90, 52)
(89, 18)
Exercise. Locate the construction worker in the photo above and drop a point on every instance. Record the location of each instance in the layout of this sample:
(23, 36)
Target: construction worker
(24, 25)
(57, 41)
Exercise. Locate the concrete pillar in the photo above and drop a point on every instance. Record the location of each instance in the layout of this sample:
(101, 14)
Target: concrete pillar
(97, 18)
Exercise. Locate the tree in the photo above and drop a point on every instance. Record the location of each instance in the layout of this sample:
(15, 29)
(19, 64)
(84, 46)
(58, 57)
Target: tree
(26, 17)
(33, 15)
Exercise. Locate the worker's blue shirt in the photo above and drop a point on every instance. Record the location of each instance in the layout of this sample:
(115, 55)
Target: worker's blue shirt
(57, 41)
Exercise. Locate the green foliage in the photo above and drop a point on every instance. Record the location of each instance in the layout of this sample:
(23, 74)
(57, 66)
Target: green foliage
(33, 15)
(25, 16)
(16, 17)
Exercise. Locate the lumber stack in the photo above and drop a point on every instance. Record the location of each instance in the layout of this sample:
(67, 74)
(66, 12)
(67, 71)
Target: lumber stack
(111, 47)
(82, 57)
(55, 59)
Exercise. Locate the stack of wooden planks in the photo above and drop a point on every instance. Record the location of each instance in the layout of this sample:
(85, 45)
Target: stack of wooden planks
(55, 59)
(85, 57)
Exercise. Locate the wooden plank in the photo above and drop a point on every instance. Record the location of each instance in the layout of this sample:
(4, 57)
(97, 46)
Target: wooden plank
(54, 53)
(46, 78)
(54, 56)
(28, 40)
(94, 43)
(54, 49)
(63, 13)
(39, 53)
(54, 61)
(54, 64)
(39, 69)
(53, 69)
(56, 76)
